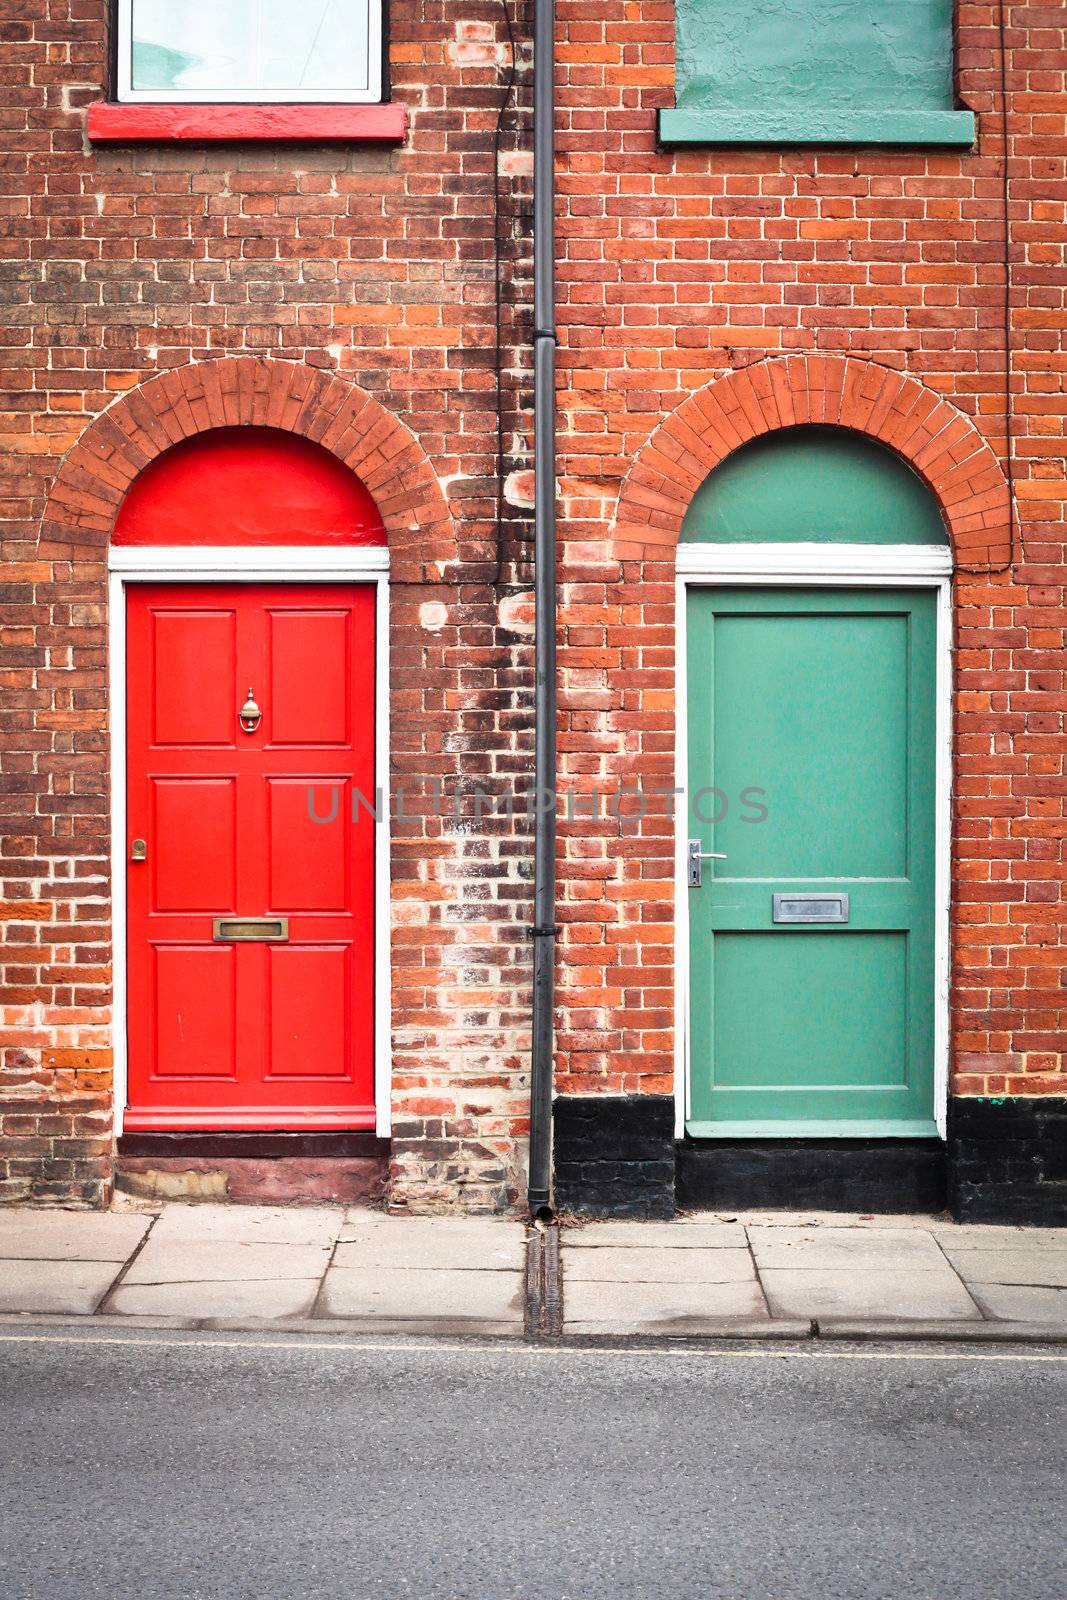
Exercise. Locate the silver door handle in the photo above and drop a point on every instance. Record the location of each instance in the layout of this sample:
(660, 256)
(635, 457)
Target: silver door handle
(694, 856)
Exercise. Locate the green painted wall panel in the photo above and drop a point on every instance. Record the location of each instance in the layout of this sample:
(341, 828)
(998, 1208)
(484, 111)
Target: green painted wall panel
(774, 71)
(814, 483)
(748, 54)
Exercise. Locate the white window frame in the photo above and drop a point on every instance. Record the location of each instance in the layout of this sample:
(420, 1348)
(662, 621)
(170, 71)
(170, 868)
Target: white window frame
(130, 564)
(126, 93)
(805, 565)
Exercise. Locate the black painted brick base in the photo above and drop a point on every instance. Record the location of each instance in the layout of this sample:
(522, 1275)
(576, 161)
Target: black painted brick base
(1008, 1160)
(614, 1155)
(899, 1175)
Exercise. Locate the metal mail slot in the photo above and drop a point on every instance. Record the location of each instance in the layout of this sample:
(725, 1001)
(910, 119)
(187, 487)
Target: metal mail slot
(811, 908)
(245, 930)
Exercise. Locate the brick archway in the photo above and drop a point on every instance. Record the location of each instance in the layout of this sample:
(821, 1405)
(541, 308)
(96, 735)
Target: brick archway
(939, 442)
(247, 390)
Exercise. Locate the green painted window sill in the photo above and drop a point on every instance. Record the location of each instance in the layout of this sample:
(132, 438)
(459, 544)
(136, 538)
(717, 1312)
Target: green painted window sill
(817, 127)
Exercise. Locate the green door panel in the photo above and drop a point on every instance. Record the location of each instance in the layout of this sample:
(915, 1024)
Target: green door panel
(792, 697)
(784, 1001)
(819, 707)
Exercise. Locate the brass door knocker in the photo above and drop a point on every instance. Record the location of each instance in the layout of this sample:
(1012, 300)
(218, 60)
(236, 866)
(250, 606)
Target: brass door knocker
(250, 714)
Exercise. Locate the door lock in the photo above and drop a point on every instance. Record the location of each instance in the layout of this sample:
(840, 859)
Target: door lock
(693, 857)
(138, 850)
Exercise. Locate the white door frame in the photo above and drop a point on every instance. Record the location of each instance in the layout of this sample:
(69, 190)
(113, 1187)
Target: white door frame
(129, 564)
(786, 565)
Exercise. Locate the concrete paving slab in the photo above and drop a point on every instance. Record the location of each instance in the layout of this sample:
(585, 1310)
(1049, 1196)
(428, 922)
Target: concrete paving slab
(989, 1236)
(867, 1220)
(400, 1295)
(68, 1286)
(1047, 1268)
(216, 1261)
(370, 1217)
(434, 1243)
(1022, 1303)
(232, 1224)
(870, 1293)
(279, 1297)
(632, 1265)
(685, 1234)
(32, 1234)
(658, 1308)
(859, 1250)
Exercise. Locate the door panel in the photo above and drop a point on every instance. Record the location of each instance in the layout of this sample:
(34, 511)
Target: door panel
(794, 694)
(193, 657)
(819, 706)
(307, 1009)
(310, 677)
(195, 1006)
(250, 1034)
(308, 865)
(832, 1004)
(203, 810)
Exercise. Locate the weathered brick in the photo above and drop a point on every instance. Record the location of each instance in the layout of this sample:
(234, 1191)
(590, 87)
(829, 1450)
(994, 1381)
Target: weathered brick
(346, 293)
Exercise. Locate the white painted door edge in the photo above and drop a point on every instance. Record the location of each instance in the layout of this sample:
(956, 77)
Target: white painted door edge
(820, 565)
(272, 564)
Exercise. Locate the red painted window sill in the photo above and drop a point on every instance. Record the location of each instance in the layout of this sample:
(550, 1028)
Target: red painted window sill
(111, 123)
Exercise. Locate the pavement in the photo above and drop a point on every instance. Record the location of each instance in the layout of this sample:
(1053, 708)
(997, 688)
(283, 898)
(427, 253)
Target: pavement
(842, 1276)
(172, 1465)
(773, 1275)
(204, 1264)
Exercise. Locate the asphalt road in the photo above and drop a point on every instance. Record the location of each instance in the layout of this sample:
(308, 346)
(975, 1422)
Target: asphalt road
(160, 1466)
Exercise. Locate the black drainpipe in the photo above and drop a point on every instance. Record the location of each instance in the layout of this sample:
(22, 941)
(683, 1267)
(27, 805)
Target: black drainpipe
(544, 929)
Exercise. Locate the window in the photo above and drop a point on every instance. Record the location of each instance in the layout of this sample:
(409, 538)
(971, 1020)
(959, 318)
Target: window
(304, 51)
(815, 72)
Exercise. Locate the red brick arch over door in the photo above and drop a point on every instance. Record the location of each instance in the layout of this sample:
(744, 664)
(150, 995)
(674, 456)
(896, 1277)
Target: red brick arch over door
(942, 445)
(249, 391)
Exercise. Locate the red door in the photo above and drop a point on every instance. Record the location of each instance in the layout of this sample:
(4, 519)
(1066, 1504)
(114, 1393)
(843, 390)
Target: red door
(251, 925)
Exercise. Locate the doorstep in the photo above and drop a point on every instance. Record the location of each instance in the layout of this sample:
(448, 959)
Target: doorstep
(262, 1169)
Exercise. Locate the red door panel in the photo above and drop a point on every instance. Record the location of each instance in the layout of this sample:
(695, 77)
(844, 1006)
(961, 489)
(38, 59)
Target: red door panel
(194, 655)
(309, 866)
(194, 1005)
(237, 1034)
(307, 1008)
(186, 809)
(310, 677)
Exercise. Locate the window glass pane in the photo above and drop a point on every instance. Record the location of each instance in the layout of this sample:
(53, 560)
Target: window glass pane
(218, 46)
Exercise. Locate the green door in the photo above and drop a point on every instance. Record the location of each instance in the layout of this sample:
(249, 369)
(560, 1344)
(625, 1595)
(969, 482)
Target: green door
(812, 943)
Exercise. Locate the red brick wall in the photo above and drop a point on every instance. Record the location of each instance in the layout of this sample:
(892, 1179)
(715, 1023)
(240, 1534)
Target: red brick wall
(337, 266)
(680, 269)
(373, 267)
